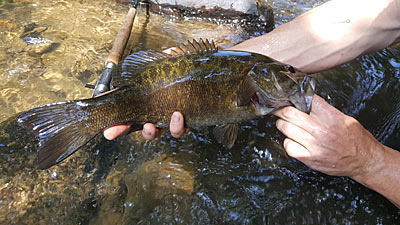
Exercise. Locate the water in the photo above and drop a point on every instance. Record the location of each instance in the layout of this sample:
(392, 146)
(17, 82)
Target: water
(50, 49)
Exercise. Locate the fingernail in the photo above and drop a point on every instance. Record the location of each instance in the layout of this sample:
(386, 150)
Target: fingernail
(176, 118)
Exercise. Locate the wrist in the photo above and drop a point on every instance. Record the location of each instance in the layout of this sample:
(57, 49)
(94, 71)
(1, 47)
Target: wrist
(372, 166)
(382, 174)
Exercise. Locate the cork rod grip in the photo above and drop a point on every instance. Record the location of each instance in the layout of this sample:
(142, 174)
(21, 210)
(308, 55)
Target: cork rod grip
(122, 38)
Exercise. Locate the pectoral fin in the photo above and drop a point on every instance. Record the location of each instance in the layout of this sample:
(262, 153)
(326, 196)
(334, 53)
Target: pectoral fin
(226, 134)
(246, 91)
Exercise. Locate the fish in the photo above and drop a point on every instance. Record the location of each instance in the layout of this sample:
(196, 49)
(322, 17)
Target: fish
(210, 87)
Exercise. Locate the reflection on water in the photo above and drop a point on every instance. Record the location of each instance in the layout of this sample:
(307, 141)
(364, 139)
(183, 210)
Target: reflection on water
(50, 49)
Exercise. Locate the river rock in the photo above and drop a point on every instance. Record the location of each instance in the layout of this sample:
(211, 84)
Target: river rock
(247, 13)
(243, 6)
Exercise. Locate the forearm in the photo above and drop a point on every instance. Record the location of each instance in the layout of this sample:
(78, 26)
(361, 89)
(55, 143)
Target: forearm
(384, 176)
(331, 34)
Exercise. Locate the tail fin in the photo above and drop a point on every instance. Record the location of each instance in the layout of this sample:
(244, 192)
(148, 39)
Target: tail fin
(62, 129)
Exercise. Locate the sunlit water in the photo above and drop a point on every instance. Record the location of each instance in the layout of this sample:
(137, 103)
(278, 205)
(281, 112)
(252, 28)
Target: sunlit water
(51, 49)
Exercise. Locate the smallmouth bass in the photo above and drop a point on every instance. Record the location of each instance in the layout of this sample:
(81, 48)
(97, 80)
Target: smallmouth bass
(209, 86)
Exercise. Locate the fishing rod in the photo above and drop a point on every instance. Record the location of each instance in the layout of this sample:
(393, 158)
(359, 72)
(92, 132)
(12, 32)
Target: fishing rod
(103, 83)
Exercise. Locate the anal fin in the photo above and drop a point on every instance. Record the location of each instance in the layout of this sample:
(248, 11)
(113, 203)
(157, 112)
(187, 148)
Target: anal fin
(226, 134)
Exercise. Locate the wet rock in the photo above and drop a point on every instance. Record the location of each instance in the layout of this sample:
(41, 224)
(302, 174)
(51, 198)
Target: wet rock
(248, 13)
(243, 6)
(33, 34)
(37, 44)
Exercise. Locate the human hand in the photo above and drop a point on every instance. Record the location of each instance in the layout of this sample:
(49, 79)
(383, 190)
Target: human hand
(149, 131)
(329, 141)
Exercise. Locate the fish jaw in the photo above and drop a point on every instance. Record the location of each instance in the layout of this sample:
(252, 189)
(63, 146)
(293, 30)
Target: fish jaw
(302, 99)
(262, 110)
(264, 105)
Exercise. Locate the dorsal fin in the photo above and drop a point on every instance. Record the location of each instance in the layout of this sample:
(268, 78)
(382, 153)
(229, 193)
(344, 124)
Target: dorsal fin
(135, 63)
(201, 46)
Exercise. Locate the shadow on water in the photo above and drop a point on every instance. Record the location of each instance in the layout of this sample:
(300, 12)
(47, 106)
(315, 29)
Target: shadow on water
(191, 180)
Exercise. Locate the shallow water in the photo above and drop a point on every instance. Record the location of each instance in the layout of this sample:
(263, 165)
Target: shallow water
(191, 180)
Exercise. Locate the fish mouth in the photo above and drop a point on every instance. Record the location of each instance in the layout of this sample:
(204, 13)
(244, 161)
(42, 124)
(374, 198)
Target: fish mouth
(300, 98)
(263, 99)
(265, 104)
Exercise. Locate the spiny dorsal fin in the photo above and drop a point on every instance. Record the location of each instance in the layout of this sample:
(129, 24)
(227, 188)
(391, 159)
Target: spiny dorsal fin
(201, 46)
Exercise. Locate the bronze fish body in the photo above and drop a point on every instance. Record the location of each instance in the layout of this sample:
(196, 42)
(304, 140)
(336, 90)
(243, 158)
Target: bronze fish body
(209, 86)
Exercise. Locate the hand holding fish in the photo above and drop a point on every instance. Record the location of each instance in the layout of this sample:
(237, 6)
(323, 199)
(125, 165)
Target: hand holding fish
(336, 144)
(328, 140)
(149, 131)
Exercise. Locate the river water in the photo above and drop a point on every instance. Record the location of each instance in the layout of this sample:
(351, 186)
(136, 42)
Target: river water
(51, 49)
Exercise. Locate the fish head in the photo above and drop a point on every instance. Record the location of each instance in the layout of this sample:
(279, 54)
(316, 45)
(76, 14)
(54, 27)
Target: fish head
(276, 86)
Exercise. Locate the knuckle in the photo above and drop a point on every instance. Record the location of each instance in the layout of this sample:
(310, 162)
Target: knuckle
(283, 126)
(288, 112)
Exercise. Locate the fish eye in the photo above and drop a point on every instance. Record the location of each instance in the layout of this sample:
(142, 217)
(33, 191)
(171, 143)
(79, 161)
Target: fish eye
(291, 69)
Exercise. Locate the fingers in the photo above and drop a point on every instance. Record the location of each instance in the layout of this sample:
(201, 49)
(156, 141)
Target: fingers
(294, 132)
(325, 114)
(176, 125)
(296, 150)
(150, 131)
(110, 133)
(320, 106)
(300, 119)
